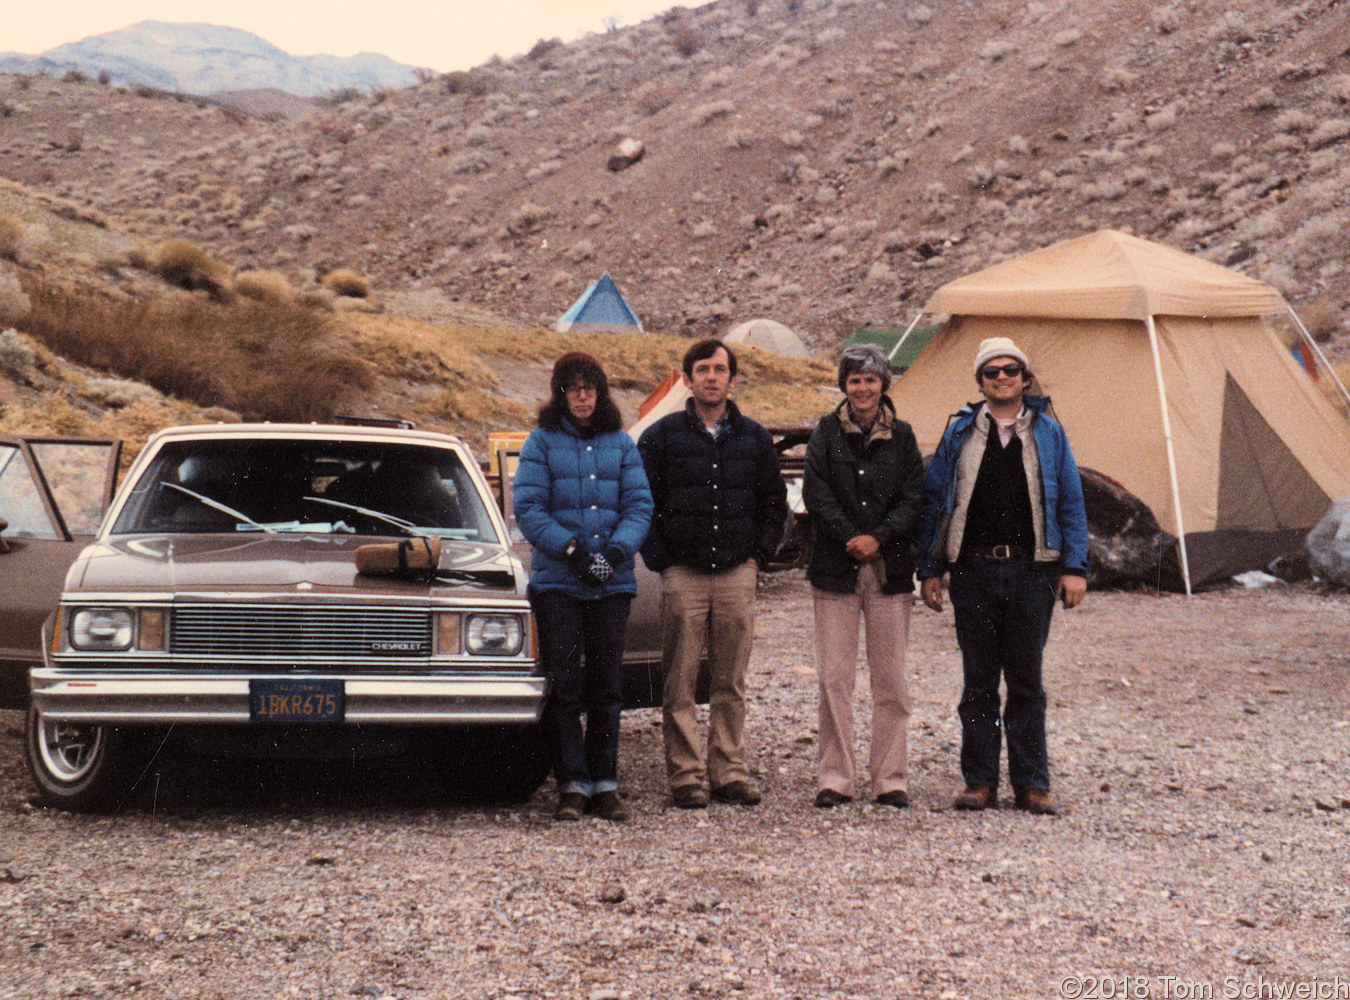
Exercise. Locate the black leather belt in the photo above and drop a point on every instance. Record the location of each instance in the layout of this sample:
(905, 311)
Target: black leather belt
(1002, 553)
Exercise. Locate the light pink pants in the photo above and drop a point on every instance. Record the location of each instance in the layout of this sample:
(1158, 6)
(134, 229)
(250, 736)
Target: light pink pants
(886, 620)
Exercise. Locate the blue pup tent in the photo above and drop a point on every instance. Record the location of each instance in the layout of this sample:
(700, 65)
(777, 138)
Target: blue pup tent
(601, 307)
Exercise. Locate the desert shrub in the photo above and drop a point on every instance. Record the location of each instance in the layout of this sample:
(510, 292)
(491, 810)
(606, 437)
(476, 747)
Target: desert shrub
(347, 283)
(74, 76)
(264, 286)
(6, 109)
(187, 266)
(473, 83)
(104, 77)
(651, 99)
(342, 95)
(1321, 317)
(265, 361)
(14, 303)
(542, 48)
(17, 353)
(528, 218)
(1321, 235)
(683, 36)
(1329, 132)
(1294, 120)
(1233, 27)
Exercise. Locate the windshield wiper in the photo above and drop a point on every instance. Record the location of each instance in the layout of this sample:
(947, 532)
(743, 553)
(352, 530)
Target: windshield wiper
(397, 522)
(217, 505)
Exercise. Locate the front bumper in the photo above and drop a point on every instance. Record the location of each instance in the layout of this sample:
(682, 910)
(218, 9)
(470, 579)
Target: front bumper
(164, 698)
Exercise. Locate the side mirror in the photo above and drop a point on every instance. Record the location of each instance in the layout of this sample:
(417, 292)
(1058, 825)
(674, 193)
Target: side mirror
(4, 545)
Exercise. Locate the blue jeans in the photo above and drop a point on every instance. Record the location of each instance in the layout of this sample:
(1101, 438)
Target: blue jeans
(1003, 612)
(586, 760)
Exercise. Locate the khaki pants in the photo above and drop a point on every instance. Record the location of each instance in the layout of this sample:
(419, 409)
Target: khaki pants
(715, 609)
(886, 618)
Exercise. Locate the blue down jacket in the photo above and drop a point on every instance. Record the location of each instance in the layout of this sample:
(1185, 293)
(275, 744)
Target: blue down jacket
(592, 489)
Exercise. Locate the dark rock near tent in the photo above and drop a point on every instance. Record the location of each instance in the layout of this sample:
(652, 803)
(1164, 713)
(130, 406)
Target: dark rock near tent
(1328, 545)
(629, 152)
(1125, 541)
(1292, 567)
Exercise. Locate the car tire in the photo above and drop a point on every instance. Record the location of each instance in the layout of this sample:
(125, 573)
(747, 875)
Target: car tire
(83, 768)
(495, 763)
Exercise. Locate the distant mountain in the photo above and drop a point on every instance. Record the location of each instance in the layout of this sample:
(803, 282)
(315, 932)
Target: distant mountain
(207, 59)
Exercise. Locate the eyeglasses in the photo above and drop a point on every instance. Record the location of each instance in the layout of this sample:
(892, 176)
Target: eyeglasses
(580, 389)
(993, 371)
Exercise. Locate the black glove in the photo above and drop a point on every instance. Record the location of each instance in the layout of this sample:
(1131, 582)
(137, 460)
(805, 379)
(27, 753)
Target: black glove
(597, 570)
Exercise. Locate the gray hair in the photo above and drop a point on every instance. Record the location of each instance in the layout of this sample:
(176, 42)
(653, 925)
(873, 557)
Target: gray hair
(864, 359)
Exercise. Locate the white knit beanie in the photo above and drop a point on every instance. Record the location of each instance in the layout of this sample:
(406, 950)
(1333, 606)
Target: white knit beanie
(998, 347)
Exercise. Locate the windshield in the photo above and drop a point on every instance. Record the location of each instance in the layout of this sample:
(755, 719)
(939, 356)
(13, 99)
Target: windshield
(349, 487)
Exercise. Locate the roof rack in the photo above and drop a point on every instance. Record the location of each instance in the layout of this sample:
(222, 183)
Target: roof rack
(348, 418)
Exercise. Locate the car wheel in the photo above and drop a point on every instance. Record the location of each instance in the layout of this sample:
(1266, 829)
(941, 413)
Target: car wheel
(79, 767)
(495, 763)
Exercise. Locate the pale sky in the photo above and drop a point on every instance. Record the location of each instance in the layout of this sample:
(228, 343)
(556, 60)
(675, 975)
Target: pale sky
(445, 35)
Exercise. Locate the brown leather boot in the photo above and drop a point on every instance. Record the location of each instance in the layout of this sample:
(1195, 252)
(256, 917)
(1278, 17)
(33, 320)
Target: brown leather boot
(976, 798)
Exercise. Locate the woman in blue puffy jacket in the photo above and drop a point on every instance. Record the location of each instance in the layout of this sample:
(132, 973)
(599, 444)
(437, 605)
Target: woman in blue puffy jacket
(582, 502)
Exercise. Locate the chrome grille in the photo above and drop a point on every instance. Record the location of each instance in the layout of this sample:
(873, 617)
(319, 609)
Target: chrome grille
(299, 632)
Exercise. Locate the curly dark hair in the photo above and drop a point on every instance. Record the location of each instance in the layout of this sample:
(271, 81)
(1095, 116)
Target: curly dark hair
(577, 366)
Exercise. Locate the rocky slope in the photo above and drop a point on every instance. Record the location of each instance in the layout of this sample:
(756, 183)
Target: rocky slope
(825, 162)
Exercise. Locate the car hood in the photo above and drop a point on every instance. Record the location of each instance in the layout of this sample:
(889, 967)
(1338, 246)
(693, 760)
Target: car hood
(258, 563)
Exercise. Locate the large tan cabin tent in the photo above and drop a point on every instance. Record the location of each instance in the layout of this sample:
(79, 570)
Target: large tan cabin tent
(1137, 343)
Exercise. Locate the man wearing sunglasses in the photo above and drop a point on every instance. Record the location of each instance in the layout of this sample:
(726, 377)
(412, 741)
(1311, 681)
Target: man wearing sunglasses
(1003, 512)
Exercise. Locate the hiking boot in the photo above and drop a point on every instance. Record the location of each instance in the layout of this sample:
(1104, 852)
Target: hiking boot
(739, 793)
(898, 798)
(976, 798)
(607, 805)
(689, 797)
(1037, 800)
(570, 807)
(828, 798)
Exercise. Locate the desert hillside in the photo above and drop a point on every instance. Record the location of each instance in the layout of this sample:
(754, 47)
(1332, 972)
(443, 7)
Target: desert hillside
(825, 163)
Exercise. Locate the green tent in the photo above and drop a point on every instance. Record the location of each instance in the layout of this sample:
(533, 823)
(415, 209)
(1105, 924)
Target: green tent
(886, 339)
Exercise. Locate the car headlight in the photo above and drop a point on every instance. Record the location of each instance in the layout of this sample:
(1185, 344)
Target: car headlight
(102, 628)
(494, 634)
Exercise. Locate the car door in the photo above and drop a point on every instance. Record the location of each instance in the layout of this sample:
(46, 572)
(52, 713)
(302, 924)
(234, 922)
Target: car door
(53, 493)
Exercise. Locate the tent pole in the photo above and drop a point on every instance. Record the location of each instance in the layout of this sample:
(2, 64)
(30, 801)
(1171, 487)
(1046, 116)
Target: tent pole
(1321, 358)
(1171, 452)
(904, 336)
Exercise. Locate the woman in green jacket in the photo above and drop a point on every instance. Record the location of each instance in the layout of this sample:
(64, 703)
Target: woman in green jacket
(864, 489)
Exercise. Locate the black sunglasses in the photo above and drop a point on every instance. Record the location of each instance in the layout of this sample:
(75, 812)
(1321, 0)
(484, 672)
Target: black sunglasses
(993, 371)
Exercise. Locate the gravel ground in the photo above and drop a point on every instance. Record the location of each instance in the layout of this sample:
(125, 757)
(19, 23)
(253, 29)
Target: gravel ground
(1199, 745)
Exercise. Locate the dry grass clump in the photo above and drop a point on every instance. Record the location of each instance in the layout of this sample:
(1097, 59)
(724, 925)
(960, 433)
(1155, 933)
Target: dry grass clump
(266, 361)
(711, 112)
(265, 286)
(14, 304)
(347, 283)
(187, 266)
(13, 236)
